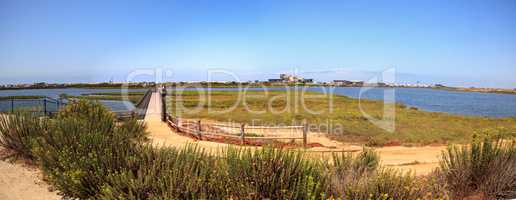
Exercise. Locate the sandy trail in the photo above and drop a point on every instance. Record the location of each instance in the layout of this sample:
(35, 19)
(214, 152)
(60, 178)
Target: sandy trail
(162, 135)
(20, 181)
(420, 160)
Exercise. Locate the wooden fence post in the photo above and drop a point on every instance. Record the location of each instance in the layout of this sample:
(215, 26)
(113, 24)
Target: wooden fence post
(163, 104)
(242, 134)
(45, 106)
(12, 105)
(305, 132)
(199, 130)
(178, 124)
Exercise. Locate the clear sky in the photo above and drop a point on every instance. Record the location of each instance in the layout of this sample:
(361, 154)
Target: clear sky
(463, 43)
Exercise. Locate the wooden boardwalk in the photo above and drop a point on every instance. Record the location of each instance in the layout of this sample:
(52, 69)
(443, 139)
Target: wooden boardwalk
(162, 135)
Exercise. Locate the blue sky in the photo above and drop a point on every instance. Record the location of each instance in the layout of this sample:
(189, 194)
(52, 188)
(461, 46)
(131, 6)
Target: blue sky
(461, 43)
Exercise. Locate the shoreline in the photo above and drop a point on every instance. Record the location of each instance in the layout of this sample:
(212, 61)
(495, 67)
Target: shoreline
(456, 89)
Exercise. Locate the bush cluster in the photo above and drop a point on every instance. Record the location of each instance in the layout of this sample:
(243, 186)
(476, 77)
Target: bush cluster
(19, 131)
(86, 154)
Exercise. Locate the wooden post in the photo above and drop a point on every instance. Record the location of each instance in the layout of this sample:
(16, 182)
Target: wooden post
(178, 124)
(199, 130)
(242, 134)
(163, 104)
(45, 106)
(12, 105)
(305, 132)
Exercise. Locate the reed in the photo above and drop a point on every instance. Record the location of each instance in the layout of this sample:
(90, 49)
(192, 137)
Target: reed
(487, 167)
(18, 133)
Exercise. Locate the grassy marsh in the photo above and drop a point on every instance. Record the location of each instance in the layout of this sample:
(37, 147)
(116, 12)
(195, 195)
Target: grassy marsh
(339, 116)
(134, 97)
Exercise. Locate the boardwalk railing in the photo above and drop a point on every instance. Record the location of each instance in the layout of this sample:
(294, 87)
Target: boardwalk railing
(45, 105)
(140, 108)
(235, 134)
(144, 101)
(48, 106)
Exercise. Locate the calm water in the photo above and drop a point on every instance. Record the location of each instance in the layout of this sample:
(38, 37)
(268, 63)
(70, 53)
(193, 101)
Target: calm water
(462, 103)
(54, 93)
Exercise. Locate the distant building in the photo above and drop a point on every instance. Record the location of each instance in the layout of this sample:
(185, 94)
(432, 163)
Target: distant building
(287, 78)
(348, 83)
(342, 82)
(308, 80)
(275, 80)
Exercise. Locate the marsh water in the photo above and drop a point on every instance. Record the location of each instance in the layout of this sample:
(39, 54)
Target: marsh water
(54, 93)
(454, 102)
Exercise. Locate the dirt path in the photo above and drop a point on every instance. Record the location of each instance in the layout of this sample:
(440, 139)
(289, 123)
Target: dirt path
(20, 181)
(162, 135)
(420, 160)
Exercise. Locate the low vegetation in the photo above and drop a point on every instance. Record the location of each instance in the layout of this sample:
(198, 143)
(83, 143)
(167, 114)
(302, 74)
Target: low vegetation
(236, 84)
(85, 154)
(21, 97)
(483, 90)
(18, 133)
(485, 167)
(134, 97)
(339, 116)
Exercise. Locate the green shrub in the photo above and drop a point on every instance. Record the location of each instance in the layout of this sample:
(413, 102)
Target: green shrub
(270, 173)
(347, 168)
(167, 173)
(93, 115)
(191, 173)
(487, 166)
(84, 147)
(361, 177)
(19, 131)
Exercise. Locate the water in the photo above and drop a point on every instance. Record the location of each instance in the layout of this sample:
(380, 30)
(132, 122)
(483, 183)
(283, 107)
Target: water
(454, 102)
(54, 93)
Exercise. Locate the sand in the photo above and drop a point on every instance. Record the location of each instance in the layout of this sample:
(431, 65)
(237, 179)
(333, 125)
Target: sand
(19, 181)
